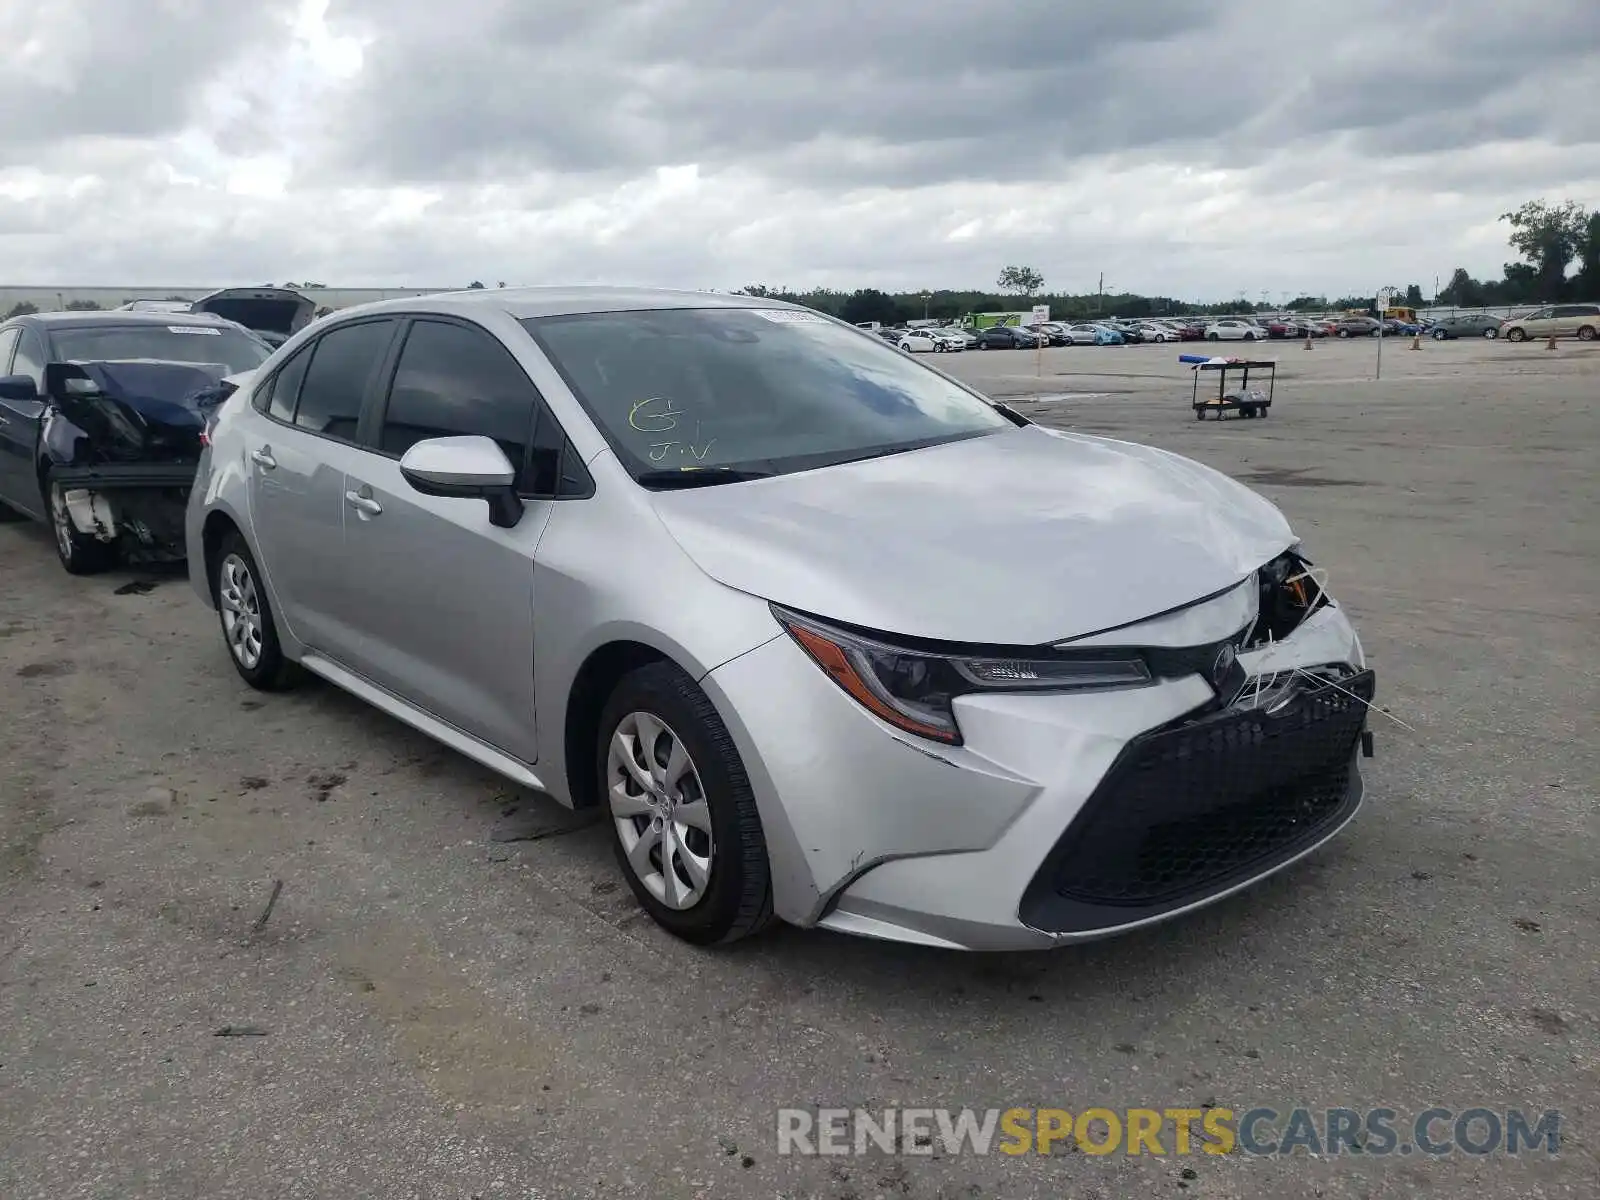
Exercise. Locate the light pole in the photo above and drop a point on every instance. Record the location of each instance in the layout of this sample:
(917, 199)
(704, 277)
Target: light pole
(926, 297)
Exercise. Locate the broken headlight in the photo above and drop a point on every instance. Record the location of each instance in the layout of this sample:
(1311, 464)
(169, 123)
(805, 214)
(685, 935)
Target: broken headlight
(1289, 593)
(913, 689)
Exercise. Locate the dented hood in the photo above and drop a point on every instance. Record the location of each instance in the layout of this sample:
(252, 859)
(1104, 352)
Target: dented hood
(1023, 537)
(143, 409)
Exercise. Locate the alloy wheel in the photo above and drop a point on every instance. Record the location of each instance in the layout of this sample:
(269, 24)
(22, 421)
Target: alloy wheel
(241, 611)
(659, 806)
(61, 522)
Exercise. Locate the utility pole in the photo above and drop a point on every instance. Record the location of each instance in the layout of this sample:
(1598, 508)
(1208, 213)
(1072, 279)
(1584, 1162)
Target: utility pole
(1100, 295)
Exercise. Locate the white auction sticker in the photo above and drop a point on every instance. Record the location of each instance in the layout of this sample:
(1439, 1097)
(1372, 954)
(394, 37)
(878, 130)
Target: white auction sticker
(784, 316)
(194, 329)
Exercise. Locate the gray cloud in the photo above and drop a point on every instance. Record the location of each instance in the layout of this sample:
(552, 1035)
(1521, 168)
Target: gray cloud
(116, 68)
(1182, 146)
(906, 92)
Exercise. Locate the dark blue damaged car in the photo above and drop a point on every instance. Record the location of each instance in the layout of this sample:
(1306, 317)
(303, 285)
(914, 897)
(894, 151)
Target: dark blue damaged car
(102, 419)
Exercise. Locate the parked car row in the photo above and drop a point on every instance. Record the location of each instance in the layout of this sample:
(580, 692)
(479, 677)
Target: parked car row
(1581, 321)
(658, 554)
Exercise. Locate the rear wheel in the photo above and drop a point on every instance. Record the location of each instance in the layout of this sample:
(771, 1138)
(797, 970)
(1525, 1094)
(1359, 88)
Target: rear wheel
(249, 629)
(682, 814)
(1439, 335)
(79, 553)
(1586, 333)
(1491, 333)
(1344, 333)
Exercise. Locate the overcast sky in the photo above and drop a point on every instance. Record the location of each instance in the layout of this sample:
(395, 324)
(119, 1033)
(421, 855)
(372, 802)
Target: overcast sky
(1200, 148)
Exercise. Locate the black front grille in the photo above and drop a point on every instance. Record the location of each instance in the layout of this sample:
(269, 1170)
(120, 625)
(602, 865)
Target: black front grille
(1195, 807)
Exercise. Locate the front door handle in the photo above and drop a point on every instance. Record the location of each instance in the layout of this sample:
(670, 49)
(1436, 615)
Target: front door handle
(363, 503)
(264, 458)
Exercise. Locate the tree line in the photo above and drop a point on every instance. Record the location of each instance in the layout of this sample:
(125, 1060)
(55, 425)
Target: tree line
(1548, 238)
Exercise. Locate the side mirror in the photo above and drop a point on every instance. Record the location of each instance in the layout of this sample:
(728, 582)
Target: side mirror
(466, 468)
(18, 387)
(63, 380)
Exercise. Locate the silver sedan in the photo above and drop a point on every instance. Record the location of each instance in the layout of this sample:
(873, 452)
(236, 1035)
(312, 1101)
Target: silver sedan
(823, 634)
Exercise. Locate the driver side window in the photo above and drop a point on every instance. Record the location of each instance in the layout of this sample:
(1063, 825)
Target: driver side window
(30, 358)
(451, 381)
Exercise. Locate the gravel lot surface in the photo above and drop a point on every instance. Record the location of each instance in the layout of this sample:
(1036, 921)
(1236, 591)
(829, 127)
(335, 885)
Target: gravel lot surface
(455, 996)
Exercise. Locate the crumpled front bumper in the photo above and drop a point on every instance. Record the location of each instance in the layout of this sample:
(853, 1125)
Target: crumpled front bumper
(876, 833)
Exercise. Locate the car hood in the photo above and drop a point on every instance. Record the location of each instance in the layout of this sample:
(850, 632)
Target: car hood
(1022, 537)
(135, 410)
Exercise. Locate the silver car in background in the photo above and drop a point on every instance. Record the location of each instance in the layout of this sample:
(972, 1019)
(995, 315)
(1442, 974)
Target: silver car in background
(824, 634)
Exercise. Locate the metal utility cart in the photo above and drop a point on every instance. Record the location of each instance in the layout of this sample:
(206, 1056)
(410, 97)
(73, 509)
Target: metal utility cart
(1242, 398)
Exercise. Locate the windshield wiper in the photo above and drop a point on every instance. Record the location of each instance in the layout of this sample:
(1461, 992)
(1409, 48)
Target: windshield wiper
(688, 477)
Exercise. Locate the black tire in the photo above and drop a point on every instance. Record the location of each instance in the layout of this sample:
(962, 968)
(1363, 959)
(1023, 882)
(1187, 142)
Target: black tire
(1344, 333)
(1212, 337)
(79, 553)
(1586, 333)
(737, 900)
(271, 671)
(1440, 335)
(1249, 337)
(1491, 334)
(1516, 335)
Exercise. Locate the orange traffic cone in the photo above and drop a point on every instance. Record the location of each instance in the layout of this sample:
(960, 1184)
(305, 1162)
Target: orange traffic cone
(1551, 344)
(1416, 341)
(1308, 341)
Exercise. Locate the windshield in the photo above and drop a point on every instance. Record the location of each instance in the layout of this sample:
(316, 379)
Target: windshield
(232, 348)
(760, 390)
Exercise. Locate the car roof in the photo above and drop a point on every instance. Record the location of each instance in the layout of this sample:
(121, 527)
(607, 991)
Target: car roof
(88, 319)
(525, 302)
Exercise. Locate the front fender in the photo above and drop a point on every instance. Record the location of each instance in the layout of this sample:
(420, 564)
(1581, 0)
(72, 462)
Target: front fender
(61, 442)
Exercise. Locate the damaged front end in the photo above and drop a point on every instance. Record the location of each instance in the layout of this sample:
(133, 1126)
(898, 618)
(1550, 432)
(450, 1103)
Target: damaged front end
(120, 442)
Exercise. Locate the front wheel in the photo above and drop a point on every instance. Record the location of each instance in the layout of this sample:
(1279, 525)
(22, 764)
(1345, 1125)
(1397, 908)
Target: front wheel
(682, 813)
(1249, 337)
(1344, 333)
(1438, 335)
(1491, 334)
(1516, 335)
(79, 553)
(1212, 337)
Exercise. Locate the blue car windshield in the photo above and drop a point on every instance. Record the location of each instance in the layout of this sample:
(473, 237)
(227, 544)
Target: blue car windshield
(757, 390)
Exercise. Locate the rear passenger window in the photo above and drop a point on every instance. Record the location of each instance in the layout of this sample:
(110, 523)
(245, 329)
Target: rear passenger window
(277, 399)
(452, 381)
(342, 362)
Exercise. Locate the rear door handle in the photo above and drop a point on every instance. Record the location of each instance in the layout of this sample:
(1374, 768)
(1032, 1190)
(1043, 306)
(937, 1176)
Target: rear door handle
(264, 457)
(363, 504)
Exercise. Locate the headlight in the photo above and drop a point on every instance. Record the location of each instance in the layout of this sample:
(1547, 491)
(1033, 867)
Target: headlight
(913, 689)
(1290, 592)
